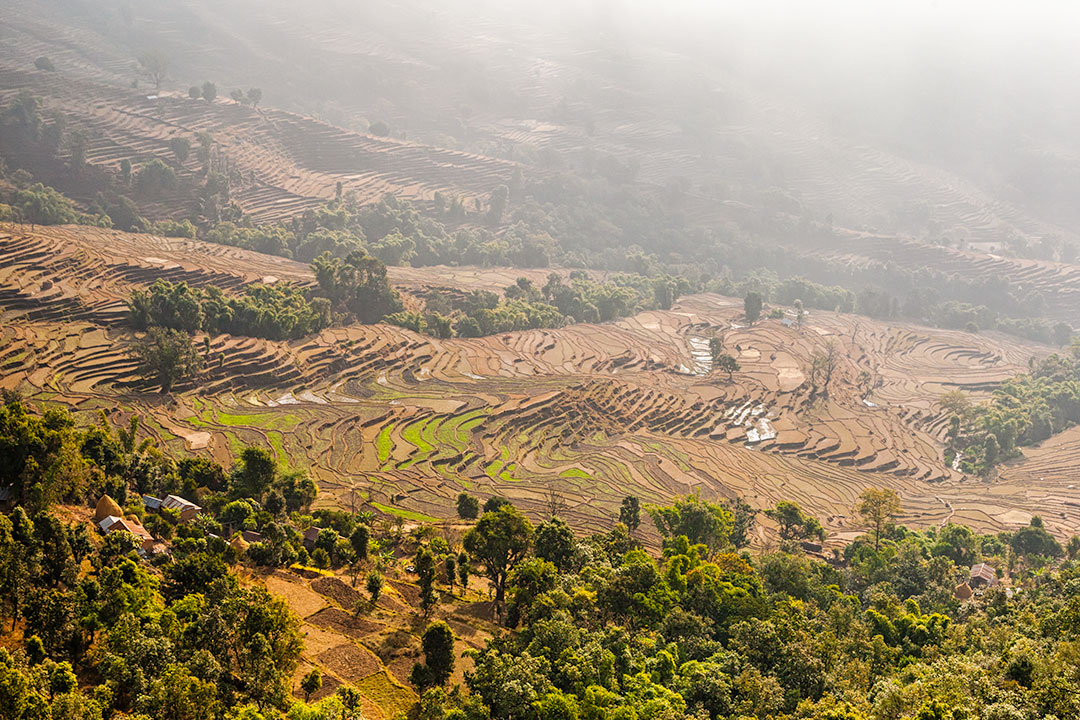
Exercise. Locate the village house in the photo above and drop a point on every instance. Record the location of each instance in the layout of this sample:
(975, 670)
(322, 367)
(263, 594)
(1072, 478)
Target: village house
(110, 518)
(187, 509)
(982, 576)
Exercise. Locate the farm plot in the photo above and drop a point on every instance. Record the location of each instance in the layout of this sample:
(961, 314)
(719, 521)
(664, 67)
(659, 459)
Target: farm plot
(587, 413)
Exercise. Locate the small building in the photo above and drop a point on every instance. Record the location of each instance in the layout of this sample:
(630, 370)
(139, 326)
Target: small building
(114, 523)
(310, 536)
(250, 536)
(187, 509)
(982, 576)
(151, 503)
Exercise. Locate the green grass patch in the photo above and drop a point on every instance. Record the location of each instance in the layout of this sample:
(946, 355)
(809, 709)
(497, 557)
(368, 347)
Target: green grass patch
(384, 444)
(277, 443)
(412, 435)
(574, 473)
(406, 514)
(391, 698)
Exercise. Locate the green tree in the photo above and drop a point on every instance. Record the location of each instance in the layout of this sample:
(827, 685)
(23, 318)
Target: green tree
(463, 570)
(425, 571)
(360, 539)
(822, 366)
(877, 507)
(311, 683)
(255, 96)
(468, 507)
(728, 363)
(630, 512)
(499, 541)
(166, 356)
(181, 148)
(702, 522)
(438, 645)
(209, 91)
(450, 568)
(374, 585)
(554, 541)
(154, 66)
(744, 519)
(716, 348)
(794, 523)
(254, 474)
(752, 305)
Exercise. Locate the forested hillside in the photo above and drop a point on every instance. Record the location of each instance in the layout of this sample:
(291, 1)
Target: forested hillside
(944, 623)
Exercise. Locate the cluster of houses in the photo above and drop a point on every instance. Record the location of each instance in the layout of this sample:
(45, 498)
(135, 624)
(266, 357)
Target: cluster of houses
(109, 518)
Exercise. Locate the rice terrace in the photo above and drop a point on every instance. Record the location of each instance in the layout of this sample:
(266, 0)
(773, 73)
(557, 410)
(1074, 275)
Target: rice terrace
(573, 361)
(586, 412)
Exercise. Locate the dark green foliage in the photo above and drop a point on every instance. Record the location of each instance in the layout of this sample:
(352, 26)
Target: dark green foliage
(499, 541)
(181, 148)
(698, 520)
(438, 645)
(794, 523)
(1026, 409)
(425, 572)
(42, 205)
(357, 285)
(630, 512)
(278, 312)
(554, 541)
(495, 502)
(1035, 540)
(752, 305)
(727, 363)
(166, 356)
(374, 585)
(311, 683)
(468, 507)
(155, 178)
(359, 541)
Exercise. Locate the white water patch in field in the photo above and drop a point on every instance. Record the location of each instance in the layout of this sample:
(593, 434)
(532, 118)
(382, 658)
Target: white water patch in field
(308, 396)
(382, 379)
(760, 431)
(287, 399)
(473, 377)
(702, 356)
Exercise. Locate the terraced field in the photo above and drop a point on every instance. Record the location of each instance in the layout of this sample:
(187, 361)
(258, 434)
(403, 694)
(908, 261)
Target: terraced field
(373, 649)
(587, 413)
(286, 163)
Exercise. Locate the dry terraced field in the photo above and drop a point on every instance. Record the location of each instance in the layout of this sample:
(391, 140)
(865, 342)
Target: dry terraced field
(587, 413)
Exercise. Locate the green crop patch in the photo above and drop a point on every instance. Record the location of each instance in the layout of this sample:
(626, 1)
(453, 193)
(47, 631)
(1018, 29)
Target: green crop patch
(405, 514)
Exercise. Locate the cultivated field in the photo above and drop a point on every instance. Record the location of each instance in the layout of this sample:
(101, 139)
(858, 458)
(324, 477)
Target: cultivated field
(582, 415)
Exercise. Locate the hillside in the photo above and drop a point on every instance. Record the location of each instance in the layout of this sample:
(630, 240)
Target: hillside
(584, 412)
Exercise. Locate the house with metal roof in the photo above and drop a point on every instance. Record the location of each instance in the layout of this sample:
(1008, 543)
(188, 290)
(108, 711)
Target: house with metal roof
(187, 509)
